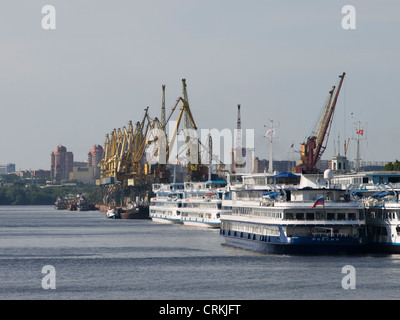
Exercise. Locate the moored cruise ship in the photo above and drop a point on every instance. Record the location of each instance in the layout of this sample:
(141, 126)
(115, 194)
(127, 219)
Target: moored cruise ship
(165, 206)
(383, 221)
(201, 206)
(293, 219)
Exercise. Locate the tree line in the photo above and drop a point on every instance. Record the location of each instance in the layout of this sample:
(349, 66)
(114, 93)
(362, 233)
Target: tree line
(392, 166)
(17, 191)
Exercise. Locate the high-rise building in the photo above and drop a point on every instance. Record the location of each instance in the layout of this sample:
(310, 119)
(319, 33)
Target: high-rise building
(94, 157)
(61, 163)
(7, 168)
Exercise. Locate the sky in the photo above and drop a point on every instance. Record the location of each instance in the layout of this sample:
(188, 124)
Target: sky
(106, 61)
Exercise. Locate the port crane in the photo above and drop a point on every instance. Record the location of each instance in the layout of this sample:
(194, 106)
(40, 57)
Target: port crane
(122, 168)
(195, 169)
(312, 150)
(126, 168)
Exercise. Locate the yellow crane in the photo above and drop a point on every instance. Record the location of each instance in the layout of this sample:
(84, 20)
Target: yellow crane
(110, 158)
(195, 170)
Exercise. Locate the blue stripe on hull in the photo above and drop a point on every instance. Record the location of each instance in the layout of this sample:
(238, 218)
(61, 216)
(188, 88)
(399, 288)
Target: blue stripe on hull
(300, 245)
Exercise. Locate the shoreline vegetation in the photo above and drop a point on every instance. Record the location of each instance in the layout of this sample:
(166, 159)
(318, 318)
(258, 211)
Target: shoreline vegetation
(17, 191)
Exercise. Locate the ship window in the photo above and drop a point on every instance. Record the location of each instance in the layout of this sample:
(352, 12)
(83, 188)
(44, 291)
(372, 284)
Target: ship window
(351, 216)
(330, 216)
(318, 215)
(289, 215)
(309, 216)
(341, 216)
(386, 215)
(398, 230)
(300, 216)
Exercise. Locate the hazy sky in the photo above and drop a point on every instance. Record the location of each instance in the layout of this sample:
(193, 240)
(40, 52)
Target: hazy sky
(107, 60)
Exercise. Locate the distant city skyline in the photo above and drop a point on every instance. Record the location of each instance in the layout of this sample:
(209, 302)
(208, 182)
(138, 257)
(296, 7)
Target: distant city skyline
(105, 62)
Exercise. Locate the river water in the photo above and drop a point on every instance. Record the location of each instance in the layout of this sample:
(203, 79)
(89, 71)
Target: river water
(98, 258)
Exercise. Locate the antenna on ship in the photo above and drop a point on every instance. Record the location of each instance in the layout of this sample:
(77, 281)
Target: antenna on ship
(271, 135)
(359, 133)
(238, 154)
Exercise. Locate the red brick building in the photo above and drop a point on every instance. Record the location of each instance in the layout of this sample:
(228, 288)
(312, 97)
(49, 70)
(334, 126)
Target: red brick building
(61, 163)
(94, 157)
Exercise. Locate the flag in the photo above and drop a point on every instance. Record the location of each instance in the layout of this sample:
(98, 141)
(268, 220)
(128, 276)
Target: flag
(360, 131)
(319, 201)
(270, 133)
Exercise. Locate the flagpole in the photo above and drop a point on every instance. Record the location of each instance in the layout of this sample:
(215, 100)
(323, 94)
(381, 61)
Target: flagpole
(358, 148)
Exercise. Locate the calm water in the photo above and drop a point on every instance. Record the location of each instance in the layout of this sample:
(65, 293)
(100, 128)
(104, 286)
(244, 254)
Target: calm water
(99, 258)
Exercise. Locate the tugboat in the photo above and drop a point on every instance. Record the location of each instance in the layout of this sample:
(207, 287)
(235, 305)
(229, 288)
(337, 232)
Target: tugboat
(82, 204)
(60, 204)
(113, 213)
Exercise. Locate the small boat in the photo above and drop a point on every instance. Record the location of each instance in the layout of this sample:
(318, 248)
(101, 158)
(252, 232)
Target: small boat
(60, 204)
(82, 204)
(112, 214)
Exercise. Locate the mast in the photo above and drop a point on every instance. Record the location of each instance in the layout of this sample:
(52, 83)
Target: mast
(358, 148)
(271, 134)
(238, 157)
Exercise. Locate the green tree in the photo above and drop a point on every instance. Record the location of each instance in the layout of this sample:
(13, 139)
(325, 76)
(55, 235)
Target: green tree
(390, 166)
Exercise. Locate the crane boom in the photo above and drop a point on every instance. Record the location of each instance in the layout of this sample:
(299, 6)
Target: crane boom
(328, 123)
(312, 150)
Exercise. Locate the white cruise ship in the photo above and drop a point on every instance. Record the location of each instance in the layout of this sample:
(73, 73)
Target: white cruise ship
(165, 206)
(201, 206)
(292, 219)
(383, 220)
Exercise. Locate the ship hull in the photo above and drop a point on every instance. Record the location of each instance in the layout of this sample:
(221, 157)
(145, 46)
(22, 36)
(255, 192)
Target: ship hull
(165, 220)
(298, 245)
(135, 213)
(198, 224)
